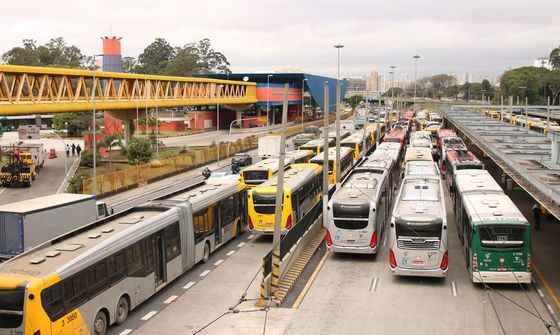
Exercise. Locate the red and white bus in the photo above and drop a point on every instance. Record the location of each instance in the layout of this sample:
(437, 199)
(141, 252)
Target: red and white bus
(459, 160)
(396, 135)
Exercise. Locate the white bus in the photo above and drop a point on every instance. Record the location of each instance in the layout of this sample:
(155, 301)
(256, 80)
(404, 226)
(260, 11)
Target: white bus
(418, 230)
(421, 169)
(91, 278)
(358, 212)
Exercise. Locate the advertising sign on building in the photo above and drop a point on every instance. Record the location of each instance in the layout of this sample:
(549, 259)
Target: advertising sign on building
(29, 132)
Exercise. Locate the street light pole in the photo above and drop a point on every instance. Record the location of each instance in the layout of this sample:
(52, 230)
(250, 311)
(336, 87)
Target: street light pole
(392, 73)
(337, 119)
(218, 125)
(267, 100)
(93, 131)
(415, 57)
(302, 101)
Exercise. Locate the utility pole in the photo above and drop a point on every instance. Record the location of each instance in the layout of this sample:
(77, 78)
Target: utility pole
(502, 108)
(548, 115)
(415, 57)
(527, 112)
(510, 108)
(337, 119)
(279, 197)
(325, 152)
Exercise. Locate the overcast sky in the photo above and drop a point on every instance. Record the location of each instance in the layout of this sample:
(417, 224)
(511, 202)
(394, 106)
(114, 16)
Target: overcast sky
(481, 37)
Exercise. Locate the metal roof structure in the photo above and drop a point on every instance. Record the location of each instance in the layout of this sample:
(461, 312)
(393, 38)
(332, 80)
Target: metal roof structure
(522, 154)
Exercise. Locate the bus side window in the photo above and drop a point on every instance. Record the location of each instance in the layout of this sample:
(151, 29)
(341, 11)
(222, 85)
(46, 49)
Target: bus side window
(52, 301)
(172, 241)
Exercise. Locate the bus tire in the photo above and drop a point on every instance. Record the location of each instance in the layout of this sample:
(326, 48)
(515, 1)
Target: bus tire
(100, 323)
(123, 308)
(206, 253)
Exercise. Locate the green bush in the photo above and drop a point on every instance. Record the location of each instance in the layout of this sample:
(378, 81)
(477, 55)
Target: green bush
(87, 159)
(139, 150)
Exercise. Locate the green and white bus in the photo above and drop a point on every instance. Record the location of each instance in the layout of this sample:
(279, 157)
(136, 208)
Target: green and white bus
(495, 235)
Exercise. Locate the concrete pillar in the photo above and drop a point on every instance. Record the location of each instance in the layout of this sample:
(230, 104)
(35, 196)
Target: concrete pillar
(128, 131)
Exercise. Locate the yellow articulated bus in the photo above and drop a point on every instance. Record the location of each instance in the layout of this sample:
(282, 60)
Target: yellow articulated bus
(356, 143)
(91, 278)
(346, 163)
(303, 184)
(260, 172)
(300, 156)
(317, 145)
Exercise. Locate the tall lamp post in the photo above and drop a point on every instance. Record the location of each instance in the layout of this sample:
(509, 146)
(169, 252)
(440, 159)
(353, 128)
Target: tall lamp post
(337, 122)
(302, 101)
(268, 99)
(219, 95)
(93, 129)
(416, 58)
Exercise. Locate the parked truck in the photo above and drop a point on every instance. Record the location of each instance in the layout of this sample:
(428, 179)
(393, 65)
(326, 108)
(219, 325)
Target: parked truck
(269, 146)
(28, 223)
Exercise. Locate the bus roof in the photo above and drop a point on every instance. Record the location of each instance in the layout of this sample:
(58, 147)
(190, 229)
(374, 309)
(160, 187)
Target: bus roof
(468, 181)
(318, 142)
(462, 157)
(84, 246)
(361, 186)
(297, 154)
(295, 176)
(268, 164)
(420, 201)
(41, 203)
(377, 162)
(210, 192)
(446, 132)
(355, 138)
(492, 208)
(421, 168)
(418, 154)
(344, 151)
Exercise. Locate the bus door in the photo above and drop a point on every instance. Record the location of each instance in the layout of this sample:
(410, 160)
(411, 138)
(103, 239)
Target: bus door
(159, 260)
(218, 223)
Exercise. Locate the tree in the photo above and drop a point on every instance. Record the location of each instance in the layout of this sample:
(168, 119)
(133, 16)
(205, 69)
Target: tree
(209, 59)
(139, 150)
(552, 82)
(54, 53)
(354, 100)
(74, 123)
(108, 143)
(129, 64)
(155, 57)
(555, 58)
(527, 81)
(197, 58)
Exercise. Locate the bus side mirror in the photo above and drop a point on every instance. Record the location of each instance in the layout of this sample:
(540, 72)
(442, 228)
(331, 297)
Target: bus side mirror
(445, 227)
(392, 225)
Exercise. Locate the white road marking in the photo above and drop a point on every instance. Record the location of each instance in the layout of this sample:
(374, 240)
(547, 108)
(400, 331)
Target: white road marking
(550, 309)
(240, 245)
(230, 253)
(540, 293)
(2, 190)
(218, 262)
(189, 285)
(558, 323)
(454, 288)
(204, 273)
(170, 299)
(252, 236)
(148, 316)
(126, 332)
(375, 282)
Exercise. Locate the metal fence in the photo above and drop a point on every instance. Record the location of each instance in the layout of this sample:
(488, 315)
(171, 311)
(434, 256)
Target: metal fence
(292, 237)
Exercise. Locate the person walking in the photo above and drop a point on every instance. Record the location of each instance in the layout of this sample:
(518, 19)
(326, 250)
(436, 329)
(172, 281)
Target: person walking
(73, 149)
(67, 150)
(78, 149)
(537, 215)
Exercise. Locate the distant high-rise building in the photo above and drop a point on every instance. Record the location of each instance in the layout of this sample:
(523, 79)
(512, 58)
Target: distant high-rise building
(356, 84)
(372, 81)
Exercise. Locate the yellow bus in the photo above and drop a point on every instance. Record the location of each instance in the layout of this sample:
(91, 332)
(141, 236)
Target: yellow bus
(91, 278)
(300, 156)
(317, 145)
(260, 172)
(356, 143)
(346, 162)
(303, 184)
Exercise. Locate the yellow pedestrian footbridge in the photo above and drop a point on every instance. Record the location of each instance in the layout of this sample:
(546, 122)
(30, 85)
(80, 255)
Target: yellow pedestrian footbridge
(35, 90)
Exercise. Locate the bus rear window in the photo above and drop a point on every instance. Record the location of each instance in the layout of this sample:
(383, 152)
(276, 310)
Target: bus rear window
(11, 308)
(351, 224)
(501, 236)
(255, 177)
(264, 203)
(469, 167)
(418, 230)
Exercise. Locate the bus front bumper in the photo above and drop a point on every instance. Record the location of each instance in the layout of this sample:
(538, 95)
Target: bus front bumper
(436, 273)
(352, 250)
(494, 277)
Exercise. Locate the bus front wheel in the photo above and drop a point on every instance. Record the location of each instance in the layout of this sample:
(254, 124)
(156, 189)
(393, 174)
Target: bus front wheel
(100, 323)
(123, 307)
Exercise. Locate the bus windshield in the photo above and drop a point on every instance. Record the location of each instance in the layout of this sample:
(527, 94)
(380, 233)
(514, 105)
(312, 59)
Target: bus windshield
(264, 203)
(11, 308)
(255, 176)
(407, 229)
(498, 236)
